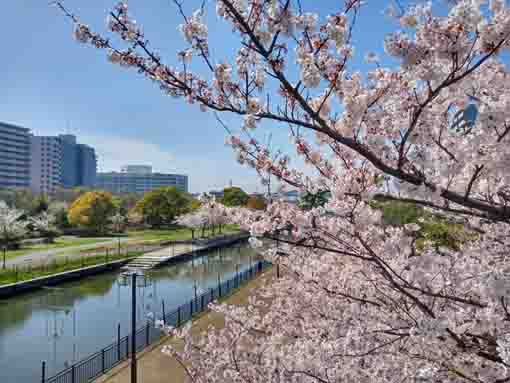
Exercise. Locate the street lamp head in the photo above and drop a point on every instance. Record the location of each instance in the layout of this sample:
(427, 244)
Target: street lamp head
(142, 279)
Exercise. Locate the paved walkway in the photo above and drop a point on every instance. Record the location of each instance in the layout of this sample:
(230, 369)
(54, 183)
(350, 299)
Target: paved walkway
(44, 256)
(156, 367)
(72, 251)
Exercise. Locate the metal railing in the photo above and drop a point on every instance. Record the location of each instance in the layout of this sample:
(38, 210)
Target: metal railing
(107, 358)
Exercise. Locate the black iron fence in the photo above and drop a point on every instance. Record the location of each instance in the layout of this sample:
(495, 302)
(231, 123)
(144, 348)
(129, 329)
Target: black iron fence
(104, 360)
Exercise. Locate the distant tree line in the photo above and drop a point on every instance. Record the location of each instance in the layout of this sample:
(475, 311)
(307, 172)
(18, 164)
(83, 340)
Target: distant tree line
(92, 212)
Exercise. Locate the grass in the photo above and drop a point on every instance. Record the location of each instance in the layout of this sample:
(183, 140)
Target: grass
(59, 243)
(442, 233)
(434, 228)
(176, 234)
(152, 236)
(18, 274)
(137, 237)
(400, 213)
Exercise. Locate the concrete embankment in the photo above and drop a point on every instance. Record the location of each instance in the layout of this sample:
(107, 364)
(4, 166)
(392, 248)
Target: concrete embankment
(55, 279)
(183, 251)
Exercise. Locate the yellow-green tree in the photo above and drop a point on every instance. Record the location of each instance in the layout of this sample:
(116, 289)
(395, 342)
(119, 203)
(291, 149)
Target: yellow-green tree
(195, 204)
(92, 211)
(160, 206)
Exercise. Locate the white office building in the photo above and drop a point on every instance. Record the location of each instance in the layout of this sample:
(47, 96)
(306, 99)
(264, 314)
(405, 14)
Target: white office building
(139, 179)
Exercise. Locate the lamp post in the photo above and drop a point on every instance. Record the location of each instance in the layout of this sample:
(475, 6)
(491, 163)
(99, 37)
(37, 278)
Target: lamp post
(118, 238)
(136, 279)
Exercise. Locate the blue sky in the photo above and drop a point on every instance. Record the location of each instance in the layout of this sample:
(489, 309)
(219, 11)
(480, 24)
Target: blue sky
(53, 85)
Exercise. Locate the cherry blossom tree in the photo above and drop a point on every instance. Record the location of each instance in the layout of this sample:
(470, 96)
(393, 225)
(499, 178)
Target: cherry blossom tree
(45, 224)
(215, 213)
(212, 209)
(356, 301)
(193, 220)
(11, 227)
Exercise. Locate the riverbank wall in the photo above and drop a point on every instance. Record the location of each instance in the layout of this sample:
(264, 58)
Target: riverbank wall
(7, 291)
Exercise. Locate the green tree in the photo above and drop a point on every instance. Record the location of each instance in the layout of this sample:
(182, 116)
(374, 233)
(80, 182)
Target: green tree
(310, 201)
(21, 199)
(160, 206)
(125, 202)
(59, 210)
(92, 211)
(62, 220)
(234, 196)
(41, 205)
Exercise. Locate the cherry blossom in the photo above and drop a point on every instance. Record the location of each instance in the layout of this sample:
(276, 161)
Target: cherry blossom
(357, 300)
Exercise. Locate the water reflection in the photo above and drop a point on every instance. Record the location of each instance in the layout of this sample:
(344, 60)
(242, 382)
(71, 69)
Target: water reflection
(65, 324)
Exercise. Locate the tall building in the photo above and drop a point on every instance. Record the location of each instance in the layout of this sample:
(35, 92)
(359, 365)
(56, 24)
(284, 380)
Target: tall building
(87, 166)
(58, 161)
(139, 179)
(70, 177)
(14, 156)
(80, 163)
(46, 166)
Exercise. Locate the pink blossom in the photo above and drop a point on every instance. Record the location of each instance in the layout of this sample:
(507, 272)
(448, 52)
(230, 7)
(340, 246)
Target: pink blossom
(358, 299)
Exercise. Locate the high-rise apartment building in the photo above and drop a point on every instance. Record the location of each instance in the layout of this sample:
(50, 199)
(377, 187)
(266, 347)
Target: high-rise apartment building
(14, 156)
(139, 179)
(46, 166)
(70, 177)
(58, 161)
(80, 163)
(87, 166)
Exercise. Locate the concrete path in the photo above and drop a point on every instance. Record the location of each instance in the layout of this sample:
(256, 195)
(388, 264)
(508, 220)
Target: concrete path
(43, 256)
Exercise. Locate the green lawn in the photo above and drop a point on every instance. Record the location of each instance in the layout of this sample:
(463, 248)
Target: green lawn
(59, 243)
(434, 228)
(151, 236)
(176, 234)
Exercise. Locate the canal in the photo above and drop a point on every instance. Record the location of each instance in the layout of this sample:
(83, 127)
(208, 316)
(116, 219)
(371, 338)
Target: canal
(66, 324)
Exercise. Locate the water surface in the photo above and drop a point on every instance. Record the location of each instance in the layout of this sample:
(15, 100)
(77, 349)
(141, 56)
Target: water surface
(66, 324)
